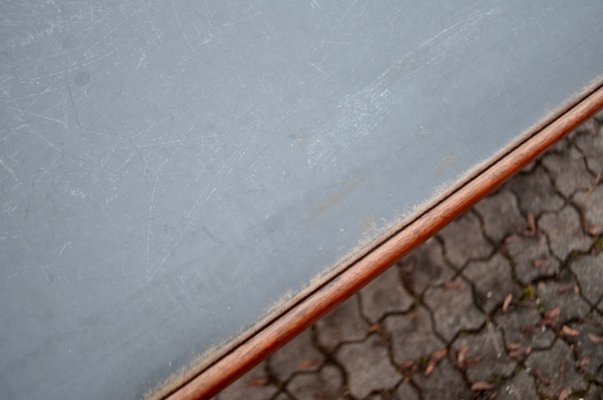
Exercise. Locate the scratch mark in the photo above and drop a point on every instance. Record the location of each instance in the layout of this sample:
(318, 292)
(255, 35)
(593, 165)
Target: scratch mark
(149, 218)
(181, 28)
(77, 118)
(323, 208)
(65, 246)
(316, 67)
(58, 121)
(9, 170)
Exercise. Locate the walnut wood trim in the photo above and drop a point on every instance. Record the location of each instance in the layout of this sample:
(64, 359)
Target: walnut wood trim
(233, 364)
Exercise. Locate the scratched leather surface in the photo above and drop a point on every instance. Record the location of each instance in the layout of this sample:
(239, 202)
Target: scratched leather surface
(169, 170)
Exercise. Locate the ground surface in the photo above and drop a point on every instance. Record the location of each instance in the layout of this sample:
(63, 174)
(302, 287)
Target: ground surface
(506, 302)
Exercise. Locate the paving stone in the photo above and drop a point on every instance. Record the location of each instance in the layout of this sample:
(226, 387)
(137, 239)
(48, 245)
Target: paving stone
(425, 266)
(568, 171)
(254, 385)
(591, 205)
(385, 294)
(368, 367)
(486, 356)
(554, 370)
(405, 392)
(562, 293)
(588, 345)
(522, 326)
(343, 324)
(412, 336)
(591, 145)
(463, 240)
(297, 355)
(522, 386)
(535, 192)
(324, 384)
(445, 383)
(493, 281)
(589, 271)
(501, 215)
(531, 257)
(564, 232)
(453, 308)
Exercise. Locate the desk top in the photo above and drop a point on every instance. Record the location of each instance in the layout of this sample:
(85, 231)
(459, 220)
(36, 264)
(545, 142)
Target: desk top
(173, 171)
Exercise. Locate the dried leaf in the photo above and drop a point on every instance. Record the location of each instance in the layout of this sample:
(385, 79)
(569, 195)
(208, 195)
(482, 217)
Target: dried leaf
(565, 288)
(514, 346)
(453, 285)
(531, 225)
(550, 318)
(407, 365)
(479, 386)
(567, 331)
(565, 393)
(374, 328)
(461, 356)
(518, 351)
(434, 360)
(595, 339)
(507, 302)
(585, 362)
(309, 363)
(541, 263)
(540, 376)
(257, 382)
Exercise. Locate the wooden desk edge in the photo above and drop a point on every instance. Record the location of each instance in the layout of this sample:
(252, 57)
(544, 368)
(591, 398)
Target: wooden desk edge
(234, 362)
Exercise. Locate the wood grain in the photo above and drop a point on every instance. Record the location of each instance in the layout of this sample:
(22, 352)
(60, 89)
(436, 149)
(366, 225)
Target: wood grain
(232, 365)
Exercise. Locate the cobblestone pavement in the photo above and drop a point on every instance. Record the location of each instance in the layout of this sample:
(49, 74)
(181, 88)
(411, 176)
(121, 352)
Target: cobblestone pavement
(506, 302)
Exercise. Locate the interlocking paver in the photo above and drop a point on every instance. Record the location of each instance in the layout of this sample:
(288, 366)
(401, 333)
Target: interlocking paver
(564, 232)
(535, 192)
(385, 294)
(453, 308)
(300, 355)
(525, 316)
(445, 383)
(483, 356)
(368, 366)
(531, 256)
(425, 267)
(343, 324)
(412, 336)
(569, 171)
(593, 216)
(493, 281)
(325, 384)
(554, 370)
(589, 270)
(463, 240)
(501, 215)
(590, 142)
